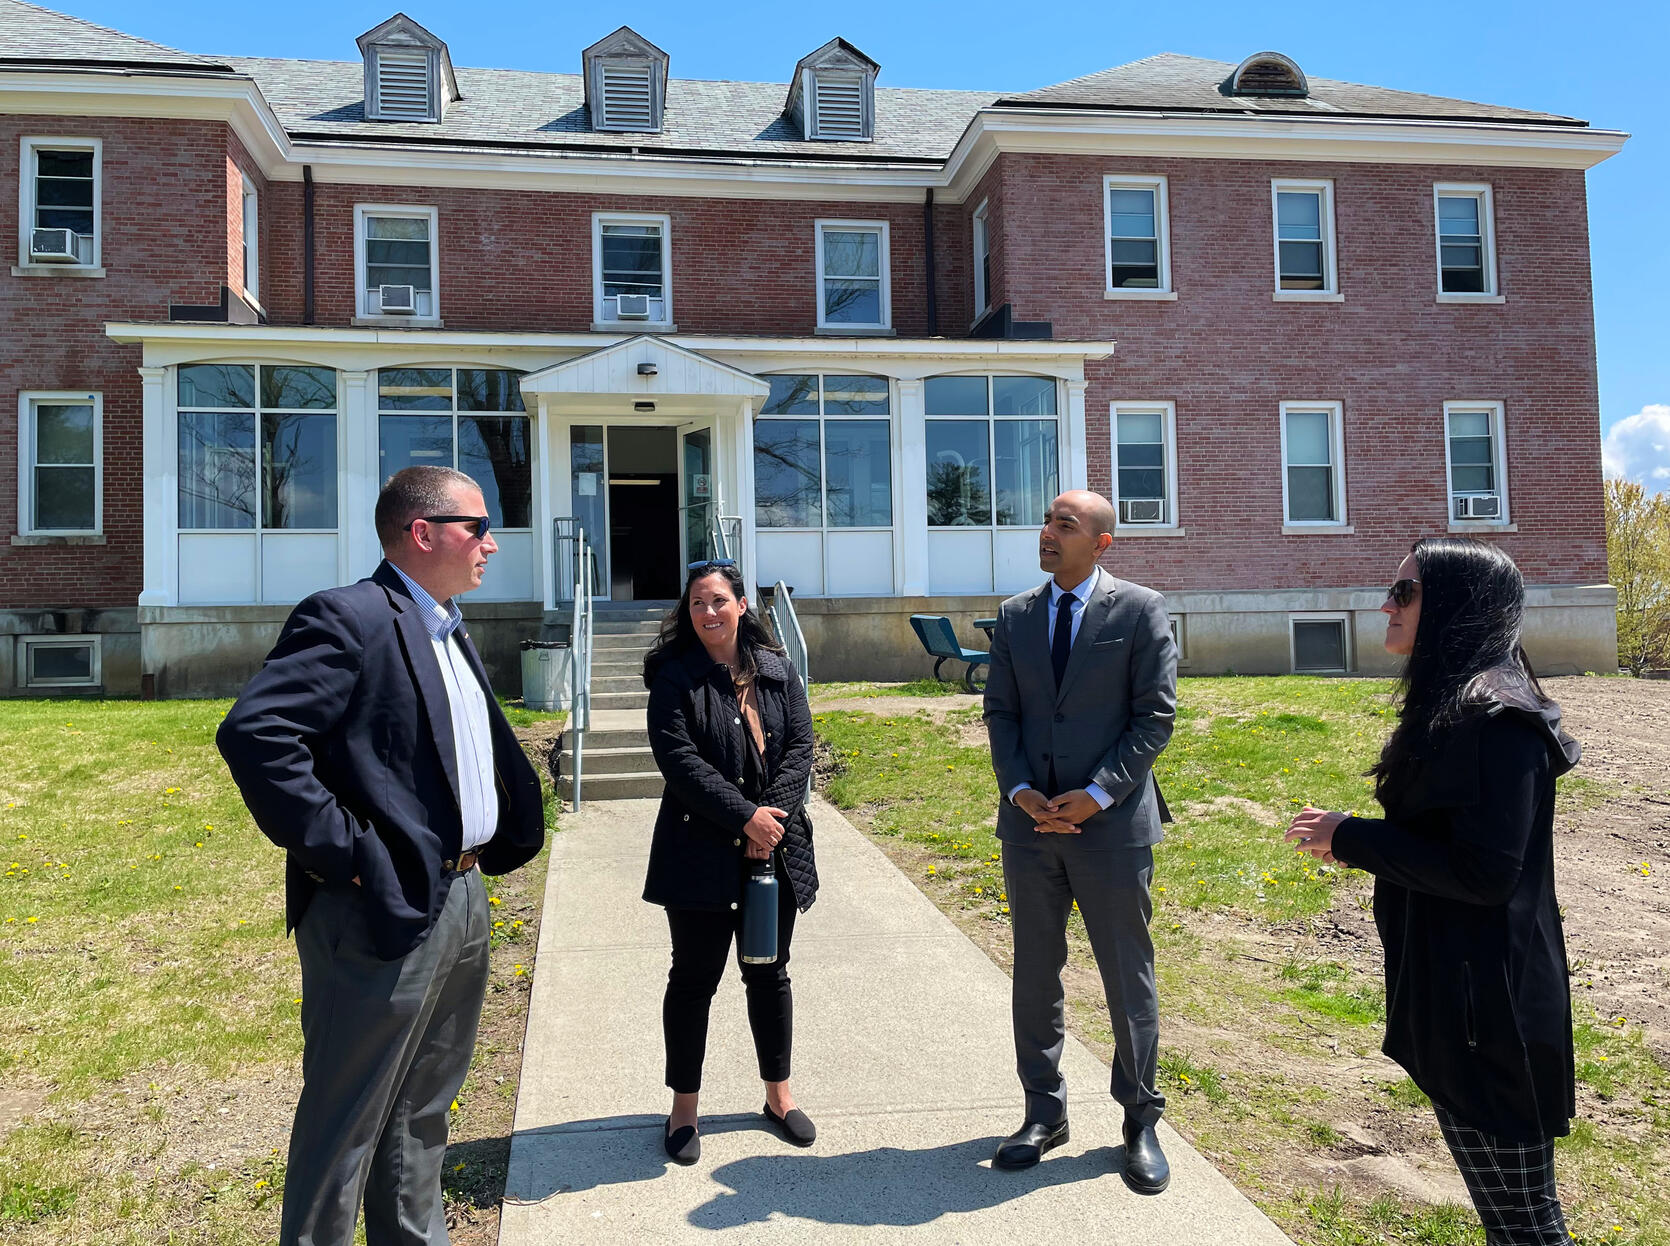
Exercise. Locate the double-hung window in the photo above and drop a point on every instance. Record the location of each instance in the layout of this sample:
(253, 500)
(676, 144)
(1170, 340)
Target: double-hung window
(1138, 250)
(852, 266)
(398, 262)
(632, 271)
(982, 260)
(1466, 243)
(60, 486)
(1313, 464)
(1306, 266)
(59, 214)
(1145, 464)
(993, 457)
(471, 419)
(1476, 462)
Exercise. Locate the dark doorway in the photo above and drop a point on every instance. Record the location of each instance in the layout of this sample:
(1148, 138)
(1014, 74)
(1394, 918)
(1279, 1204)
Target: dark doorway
(643, 514)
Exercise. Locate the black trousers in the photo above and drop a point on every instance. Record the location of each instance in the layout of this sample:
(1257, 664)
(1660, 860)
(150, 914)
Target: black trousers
(701, 945)
(1511, 1183)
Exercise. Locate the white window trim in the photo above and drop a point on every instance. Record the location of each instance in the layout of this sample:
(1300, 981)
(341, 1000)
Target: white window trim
(981, 235)
(1162, 234)
(251, 206)
(26, 205)
(884, 261)
(433, 216)
(1336, 444)
(1499, 449)
(1179, 636)
(60, 640)
(598, 221)
(1330, 293)
(26, 460)
(1487, 238)
(1343, 618)
(1168, 412)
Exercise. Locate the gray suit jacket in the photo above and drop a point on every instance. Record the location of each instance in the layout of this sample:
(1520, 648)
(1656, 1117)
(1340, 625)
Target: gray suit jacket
(1108, 722)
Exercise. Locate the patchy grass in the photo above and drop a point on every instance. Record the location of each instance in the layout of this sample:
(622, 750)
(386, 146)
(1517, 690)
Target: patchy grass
(914, 688)
(149, 996)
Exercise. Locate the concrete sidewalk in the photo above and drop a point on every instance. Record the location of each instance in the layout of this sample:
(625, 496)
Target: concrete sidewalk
(902, 1056)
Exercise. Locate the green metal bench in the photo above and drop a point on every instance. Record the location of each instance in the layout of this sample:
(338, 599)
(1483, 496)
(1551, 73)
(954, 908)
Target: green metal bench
(939, 638)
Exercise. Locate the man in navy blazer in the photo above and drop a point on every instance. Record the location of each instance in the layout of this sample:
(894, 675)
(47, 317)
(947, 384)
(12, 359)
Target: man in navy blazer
(371, 749)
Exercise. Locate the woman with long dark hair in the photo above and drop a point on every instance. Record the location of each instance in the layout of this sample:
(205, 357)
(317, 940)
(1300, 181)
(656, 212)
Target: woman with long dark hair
(1478, 1008)
(732, 735)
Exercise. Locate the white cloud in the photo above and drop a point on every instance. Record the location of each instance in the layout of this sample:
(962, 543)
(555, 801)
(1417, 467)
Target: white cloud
(1637, 447)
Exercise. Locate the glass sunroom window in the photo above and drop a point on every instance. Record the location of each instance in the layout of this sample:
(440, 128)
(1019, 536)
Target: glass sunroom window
(823, 453)
(993, 453)
(471, 419)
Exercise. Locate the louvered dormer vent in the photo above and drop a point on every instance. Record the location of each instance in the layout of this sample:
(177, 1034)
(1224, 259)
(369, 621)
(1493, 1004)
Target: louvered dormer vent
(838, 106)
(628, 102)
(403, 90)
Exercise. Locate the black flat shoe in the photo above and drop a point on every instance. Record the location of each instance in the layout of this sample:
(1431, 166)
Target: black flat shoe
(1029, 1144)
(1146, 1169)
(683, 1144)
(796, 1126)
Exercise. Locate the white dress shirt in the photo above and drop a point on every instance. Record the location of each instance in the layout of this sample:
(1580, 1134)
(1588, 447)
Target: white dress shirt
(1080, 594)
(472, 736)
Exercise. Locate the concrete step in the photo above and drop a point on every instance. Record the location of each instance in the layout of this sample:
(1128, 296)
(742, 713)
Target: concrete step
(620, 642)
(604, 740)
(627, 681)
(615, 665)
(611, 761)
(626, 627)
(645, 785)
(620, 700)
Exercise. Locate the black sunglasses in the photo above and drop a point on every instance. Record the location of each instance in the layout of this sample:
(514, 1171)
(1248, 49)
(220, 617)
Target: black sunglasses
(1402, 593)
(714, 563)
(482, 524)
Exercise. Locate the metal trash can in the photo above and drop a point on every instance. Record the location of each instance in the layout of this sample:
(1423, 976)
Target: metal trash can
(547, 674)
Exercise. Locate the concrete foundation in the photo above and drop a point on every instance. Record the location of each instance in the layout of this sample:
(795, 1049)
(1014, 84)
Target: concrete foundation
(117, 632)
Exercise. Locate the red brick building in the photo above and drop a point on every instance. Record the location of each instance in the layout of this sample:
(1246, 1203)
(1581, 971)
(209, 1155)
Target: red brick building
(861, 334)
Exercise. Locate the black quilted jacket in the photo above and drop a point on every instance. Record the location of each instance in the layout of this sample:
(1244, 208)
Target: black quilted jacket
(695, 729)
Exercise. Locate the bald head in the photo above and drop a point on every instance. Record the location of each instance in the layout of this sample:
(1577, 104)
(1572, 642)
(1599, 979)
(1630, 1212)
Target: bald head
(1077, 527)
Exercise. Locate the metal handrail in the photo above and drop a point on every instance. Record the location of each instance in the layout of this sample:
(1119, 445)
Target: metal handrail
(580, 643)
(727, 536)
(786, 623)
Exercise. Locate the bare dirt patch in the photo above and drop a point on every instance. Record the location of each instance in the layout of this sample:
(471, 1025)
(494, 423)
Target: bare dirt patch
(937, 708)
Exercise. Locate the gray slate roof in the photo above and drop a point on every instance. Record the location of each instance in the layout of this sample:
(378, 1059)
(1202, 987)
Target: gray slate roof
(32, 35)
(1173, 83)
(325, 100)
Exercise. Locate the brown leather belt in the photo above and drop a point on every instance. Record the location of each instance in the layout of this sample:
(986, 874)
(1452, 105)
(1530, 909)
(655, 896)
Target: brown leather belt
(466, 863)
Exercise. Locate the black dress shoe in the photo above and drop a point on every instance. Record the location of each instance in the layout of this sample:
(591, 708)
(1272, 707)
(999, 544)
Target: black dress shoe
(1029, 1144)
(683, 1144)
(794, 1125)
(1146, 1169)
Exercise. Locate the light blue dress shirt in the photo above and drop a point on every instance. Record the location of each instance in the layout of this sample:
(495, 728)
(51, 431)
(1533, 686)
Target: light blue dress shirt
(472, 735)
(1081, 595)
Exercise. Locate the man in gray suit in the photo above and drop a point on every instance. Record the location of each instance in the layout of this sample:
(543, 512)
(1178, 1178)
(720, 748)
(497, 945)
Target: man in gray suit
(1079, 702)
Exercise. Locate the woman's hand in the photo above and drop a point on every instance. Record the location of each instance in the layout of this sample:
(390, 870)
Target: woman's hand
(1312, 831)
(754, 852)
(765, 828)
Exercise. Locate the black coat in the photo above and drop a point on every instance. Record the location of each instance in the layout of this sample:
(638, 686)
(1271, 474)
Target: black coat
(695, 730)
(1478, 1009)
(342, 747)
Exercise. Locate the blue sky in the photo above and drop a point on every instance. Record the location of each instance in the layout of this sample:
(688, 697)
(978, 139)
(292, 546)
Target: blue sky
(1601, 61)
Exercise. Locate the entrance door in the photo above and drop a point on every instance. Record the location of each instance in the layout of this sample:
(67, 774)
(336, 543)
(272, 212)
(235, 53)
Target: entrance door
(644, 530)
(699, 501)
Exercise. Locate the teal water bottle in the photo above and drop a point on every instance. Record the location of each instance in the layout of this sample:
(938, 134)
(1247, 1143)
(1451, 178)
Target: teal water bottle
(759, 915)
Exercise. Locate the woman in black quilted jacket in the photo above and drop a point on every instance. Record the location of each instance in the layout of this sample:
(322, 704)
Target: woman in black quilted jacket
(732, 735)
(1477, 1005)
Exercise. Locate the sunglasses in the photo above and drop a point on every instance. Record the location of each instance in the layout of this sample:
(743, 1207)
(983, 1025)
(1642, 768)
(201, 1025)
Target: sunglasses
(1402, 593)
(707, 564)
(481, 522)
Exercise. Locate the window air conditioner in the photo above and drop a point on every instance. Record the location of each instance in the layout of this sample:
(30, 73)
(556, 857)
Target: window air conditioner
(1478, 506)
(397, 300)
(632, 307)
(54, 246)
(1140, 510)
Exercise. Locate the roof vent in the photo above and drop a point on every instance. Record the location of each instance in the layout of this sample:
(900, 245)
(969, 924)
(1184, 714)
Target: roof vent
(833, 94)
(408, 73)
(626, 83)
(1269, 73)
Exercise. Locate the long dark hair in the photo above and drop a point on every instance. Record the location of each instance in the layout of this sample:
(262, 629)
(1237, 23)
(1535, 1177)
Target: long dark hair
(1466, 647)
(678, 633)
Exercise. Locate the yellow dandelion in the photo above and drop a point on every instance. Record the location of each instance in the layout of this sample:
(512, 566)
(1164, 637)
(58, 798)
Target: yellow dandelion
(260, 1184)
(30, 921)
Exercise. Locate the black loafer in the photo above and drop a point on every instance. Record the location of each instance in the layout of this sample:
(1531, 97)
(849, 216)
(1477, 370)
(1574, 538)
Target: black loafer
(684, 1144)
(794, 1125)
(1029, 1144)
(1146, 1169)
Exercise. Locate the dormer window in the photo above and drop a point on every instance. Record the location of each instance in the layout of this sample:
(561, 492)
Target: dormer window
(833, 95)
(408, 73)
(626, 83)
(1269, 73)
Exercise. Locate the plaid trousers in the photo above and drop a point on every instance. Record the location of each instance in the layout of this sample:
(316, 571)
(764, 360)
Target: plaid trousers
(1512, 1185)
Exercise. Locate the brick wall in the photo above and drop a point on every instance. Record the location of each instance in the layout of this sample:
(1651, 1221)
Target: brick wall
(1227, 355)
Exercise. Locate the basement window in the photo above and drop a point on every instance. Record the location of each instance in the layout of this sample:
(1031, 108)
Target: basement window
(58, 661)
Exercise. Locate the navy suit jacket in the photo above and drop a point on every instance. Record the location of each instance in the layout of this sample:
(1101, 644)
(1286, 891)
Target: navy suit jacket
(342, 746)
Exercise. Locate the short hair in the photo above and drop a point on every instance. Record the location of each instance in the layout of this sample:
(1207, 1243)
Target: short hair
(412, 493)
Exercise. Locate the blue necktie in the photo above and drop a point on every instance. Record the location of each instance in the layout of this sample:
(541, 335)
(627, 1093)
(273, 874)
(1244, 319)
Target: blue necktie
(1062, 643)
